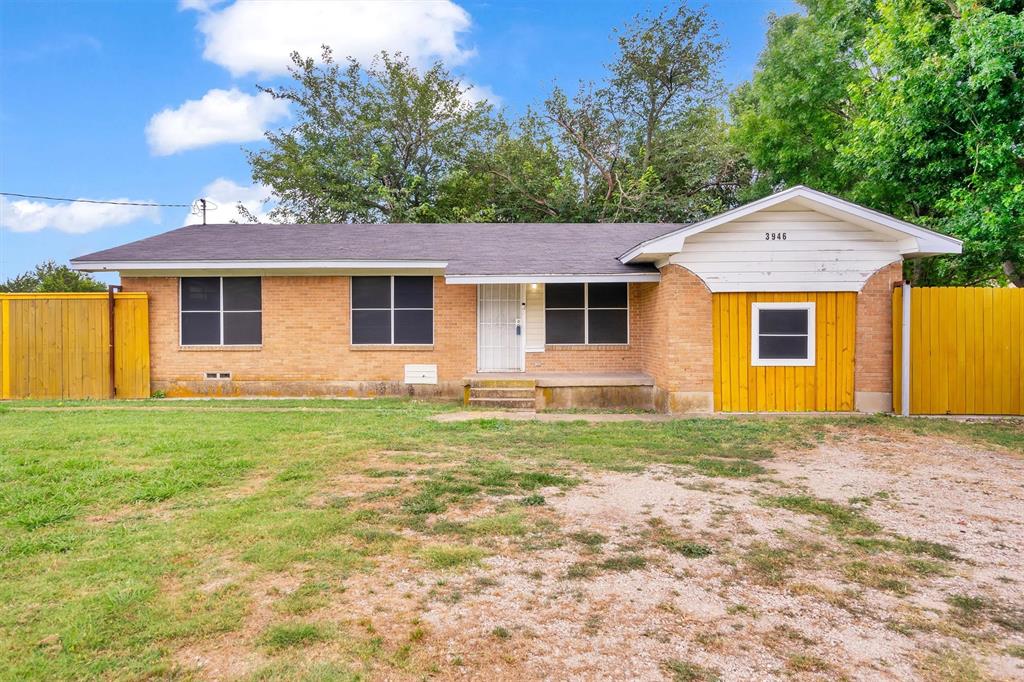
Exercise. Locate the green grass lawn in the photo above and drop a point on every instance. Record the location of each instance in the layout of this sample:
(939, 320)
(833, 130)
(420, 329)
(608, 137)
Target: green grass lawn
(115, 520)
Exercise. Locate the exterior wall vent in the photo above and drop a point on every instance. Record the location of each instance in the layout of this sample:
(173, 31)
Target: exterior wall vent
(215, 376)
(421, 374)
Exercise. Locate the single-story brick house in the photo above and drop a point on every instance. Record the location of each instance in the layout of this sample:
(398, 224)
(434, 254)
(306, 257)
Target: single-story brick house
(781, 304)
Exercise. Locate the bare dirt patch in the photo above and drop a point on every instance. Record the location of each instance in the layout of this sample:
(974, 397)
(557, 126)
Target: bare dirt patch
(640, 575)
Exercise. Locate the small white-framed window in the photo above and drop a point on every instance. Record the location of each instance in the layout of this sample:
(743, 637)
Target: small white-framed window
(782, 334)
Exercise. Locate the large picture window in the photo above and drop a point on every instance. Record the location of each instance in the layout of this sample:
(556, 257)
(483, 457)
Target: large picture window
(392, 310)
(594, 313)
(221, 311)
(782, 334)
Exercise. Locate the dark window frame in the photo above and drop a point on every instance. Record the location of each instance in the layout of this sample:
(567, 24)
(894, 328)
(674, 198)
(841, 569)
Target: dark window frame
(391, 310)
(219, 311)
(809, 359)
(586, 316)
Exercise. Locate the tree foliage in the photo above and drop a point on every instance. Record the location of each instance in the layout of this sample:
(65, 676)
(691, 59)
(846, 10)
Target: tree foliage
(372, 144)
(50, 277)
(914, 107)
(385, 142)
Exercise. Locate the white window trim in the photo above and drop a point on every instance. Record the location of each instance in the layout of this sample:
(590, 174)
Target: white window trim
(352, 309)
(586, 318)
(220, 312)
(755, 334)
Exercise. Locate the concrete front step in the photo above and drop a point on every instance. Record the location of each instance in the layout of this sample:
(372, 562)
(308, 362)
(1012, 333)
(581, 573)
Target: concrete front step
(503, 383)
(510, 403)
(479, 392)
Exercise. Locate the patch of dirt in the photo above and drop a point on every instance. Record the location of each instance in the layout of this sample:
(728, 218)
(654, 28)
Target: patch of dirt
(928, 488)
(236, 654)
(524, 614)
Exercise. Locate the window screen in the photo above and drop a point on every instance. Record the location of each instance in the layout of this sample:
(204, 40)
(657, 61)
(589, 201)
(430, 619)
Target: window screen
(784, 334)
(219, 311)
(587, 313)
(387, 310)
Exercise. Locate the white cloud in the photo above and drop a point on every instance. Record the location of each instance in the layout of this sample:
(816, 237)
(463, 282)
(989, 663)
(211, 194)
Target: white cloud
(225, 195)
(24, 215)
(480, 93)
(258, 37)
(220, 116)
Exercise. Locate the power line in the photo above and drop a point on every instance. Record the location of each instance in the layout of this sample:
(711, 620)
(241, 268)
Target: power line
(94, 201)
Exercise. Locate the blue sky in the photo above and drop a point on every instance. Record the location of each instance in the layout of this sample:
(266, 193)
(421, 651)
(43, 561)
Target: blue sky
(154, 101)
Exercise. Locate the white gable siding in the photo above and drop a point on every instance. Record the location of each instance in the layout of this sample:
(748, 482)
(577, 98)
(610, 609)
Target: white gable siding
(819, 253)
(534, 317)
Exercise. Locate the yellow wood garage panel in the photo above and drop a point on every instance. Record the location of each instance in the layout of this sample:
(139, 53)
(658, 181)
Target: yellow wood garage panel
(825, 386)
(966, 353)
(58, 345)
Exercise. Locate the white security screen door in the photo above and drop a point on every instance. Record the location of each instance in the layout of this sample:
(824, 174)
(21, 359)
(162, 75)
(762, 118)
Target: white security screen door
(500, 328)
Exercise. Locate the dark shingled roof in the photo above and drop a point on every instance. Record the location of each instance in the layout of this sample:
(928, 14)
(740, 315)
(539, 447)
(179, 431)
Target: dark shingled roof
(469, 248)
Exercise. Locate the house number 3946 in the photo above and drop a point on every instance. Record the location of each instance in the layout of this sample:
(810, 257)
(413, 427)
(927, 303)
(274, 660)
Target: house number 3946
(774, 236)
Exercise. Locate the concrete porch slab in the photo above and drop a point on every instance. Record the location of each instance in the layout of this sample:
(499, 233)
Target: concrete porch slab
(566, 379)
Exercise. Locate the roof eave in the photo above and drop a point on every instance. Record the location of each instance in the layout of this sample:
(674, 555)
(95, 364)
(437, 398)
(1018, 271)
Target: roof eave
(928, 240)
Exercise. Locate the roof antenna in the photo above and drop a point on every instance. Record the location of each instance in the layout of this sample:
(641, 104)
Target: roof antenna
(199, 207)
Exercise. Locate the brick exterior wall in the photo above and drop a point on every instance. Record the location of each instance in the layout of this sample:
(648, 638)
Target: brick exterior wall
(306, 338)
(676, 328)
(306, 341)
(597, 358)
(873, 353)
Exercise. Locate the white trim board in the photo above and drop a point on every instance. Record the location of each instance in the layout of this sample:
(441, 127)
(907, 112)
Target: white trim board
(755, 334)
(552, 279)
(260, 266)
(923, 242)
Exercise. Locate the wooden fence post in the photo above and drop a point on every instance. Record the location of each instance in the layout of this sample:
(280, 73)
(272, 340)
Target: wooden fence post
(5, 348)
(905, 353)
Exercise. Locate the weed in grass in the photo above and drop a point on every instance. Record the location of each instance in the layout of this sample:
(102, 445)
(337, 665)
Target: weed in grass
(592, 540)
(307, 598)
(290, 635)
(769, 564)
(880, 575)
(806, 663)
(534, 500)
(510, 524)
(452, 556)
(501, 632)
(624, 562)
(841, 520)
(727, 468)
(385, 473)
(906, 546)
(659, 533)
(968, 611)
(1017, 651)
(684, 671)
(948, 665)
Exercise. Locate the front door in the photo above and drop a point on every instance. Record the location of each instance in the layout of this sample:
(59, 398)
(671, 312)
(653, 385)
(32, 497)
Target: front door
(499, 315)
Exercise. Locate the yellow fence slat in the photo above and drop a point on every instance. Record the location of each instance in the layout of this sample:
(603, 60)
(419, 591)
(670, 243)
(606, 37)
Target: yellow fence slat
(58, 345)
(967, 350)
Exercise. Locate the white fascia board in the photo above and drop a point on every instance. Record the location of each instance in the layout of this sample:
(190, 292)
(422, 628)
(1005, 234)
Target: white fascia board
(928, 241)
(265, 265)
(551, 279)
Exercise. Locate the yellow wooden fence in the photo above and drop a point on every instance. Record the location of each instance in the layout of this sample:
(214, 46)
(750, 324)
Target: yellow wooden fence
(827, 386)
(966, 350)
(58, 346)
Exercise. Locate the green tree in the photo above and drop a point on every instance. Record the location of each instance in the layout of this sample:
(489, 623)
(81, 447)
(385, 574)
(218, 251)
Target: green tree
(648, 143)
(386, 143)
(50, 277)
(914, 107)
(372, 144)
